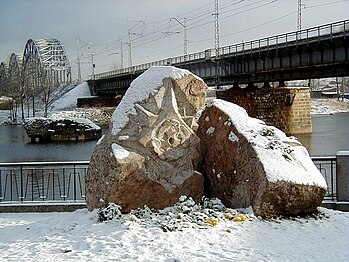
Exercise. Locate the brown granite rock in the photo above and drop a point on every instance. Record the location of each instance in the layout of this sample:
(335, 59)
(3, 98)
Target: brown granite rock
(247, 163)
(150, 155)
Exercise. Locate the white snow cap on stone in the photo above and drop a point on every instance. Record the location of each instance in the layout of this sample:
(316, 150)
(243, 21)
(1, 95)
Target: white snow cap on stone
(283, 158)
(119, 151)
(148, 83)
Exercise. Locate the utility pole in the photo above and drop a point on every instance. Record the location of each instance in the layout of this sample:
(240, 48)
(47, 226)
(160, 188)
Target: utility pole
(184, 24)
(121, 53)
(129, 44)
(186, 41)
(78, 57)
(216, 14)
(93, 67)
(129, 39)
(93, 64)
(299, 18)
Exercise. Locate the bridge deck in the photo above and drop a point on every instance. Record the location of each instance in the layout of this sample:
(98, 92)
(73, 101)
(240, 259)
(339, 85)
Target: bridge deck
(321, 51)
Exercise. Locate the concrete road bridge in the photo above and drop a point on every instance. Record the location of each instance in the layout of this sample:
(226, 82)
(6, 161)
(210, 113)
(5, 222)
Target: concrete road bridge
(317, 52)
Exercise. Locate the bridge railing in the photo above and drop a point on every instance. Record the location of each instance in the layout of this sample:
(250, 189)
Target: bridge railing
(288, 39)
(335, 29)
(63, 182)
(43, 181)
(327, 166)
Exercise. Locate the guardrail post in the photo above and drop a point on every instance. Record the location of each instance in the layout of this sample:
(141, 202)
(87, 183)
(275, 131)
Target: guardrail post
(1, 196)
(342, 176)
(22, 197)
(74, 183)
(11, 185)
(53, 184)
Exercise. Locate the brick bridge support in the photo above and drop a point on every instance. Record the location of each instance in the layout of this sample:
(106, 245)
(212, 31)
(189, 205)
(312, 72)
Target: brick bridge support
(287, 108)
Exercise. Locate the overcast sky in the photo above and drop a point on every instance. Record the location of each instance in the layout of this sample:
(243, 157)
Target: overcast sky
(100, 24)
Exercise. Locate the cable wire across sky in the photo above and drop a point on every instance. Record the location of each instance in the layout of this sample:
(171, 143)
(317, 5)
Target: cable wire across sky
(200, 24)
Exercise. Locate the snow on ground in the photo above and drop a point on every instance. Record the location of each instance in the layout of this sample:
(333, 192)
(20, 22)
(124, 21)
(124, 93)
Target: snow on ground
(144, 236)
(68, 100)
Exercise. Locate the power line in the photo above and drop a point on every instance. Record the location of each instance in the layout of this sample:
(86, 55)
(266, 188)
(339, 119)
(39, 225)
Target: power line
(260, 25)
(325, 4)
(199, 20)
(147, 41)
(225, 17)
(163, 52)
(145, 37)
(247, 29)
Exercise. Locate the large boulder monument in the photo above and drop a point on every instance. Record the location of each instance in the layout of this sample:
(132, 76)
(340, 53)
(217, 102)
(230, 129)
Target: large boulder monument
(150, 155)
(247, 163)
(155, 152)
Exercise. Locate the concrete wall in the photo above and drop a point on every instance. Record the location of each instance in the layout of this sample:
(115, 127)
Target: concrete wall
(343, 176)
(286, 108)
(40, 207)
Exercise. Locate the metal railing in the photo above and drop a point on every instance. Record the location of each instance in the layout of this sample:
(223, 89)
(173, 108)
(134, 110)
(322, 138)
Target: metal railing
(43, 181)
(327, 166)
(62, 182)
(305, 36)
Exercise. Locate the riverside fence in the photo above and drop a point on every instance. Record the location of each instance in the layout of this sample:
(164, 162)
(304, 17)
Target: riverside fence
(63, 182)
(58, 182)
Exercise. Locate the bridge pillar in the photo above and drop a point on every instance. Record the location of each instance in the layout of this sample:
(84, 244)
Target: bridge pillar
(251, 86)
(281, 84)
(236, 86)
(286, 108)
(266, 84)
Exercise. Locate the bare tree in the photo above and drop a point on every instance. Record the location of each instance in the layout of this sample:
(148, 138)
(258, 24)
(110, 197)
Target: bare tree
(48, 83)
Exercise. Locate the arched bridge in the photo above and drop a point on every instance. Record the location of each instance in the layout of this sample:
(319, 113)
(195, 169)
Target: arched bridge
(316, 52)
(43, 63)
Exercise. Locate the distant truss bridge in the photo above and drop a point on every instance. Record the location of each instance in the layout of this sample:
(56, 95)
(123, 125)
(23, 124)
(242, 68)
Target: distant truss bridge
(43, 63)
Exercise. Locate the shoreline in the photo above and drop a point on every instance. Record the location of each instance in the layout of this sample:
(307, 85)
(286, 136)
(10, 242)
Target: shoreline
(102, 115)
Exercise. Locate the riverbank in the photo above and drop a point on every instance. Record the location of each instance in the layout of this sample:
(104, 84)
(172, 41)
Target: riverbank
(329, 106)
(102, 115)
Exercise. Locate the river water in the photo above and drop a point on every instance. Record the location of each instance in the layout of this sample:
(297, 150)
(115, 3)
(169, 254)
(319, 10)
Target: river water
(15, 146)
(330, 134)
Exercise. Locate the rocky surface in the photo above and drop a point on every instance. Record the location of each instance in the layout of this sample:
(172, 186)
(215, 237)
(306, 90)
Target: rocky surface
(184, 214)
(150, 155)
(247, 163)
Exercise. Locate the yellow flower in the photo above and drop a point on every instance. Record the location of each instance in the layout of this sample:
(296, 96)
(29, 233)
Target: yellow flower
(228, 216)
(240, 218)
(212, 222)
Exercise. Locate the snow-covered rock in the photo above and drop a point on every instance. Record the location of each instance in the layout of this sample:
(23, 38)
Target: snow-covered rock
(60, 129)
(150, 155)
(247, 163)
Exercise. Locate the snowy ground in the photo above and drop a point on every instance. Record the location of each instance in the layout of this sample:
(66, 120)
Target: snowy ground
(171, 235)
(142, 236)
(329, 106)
